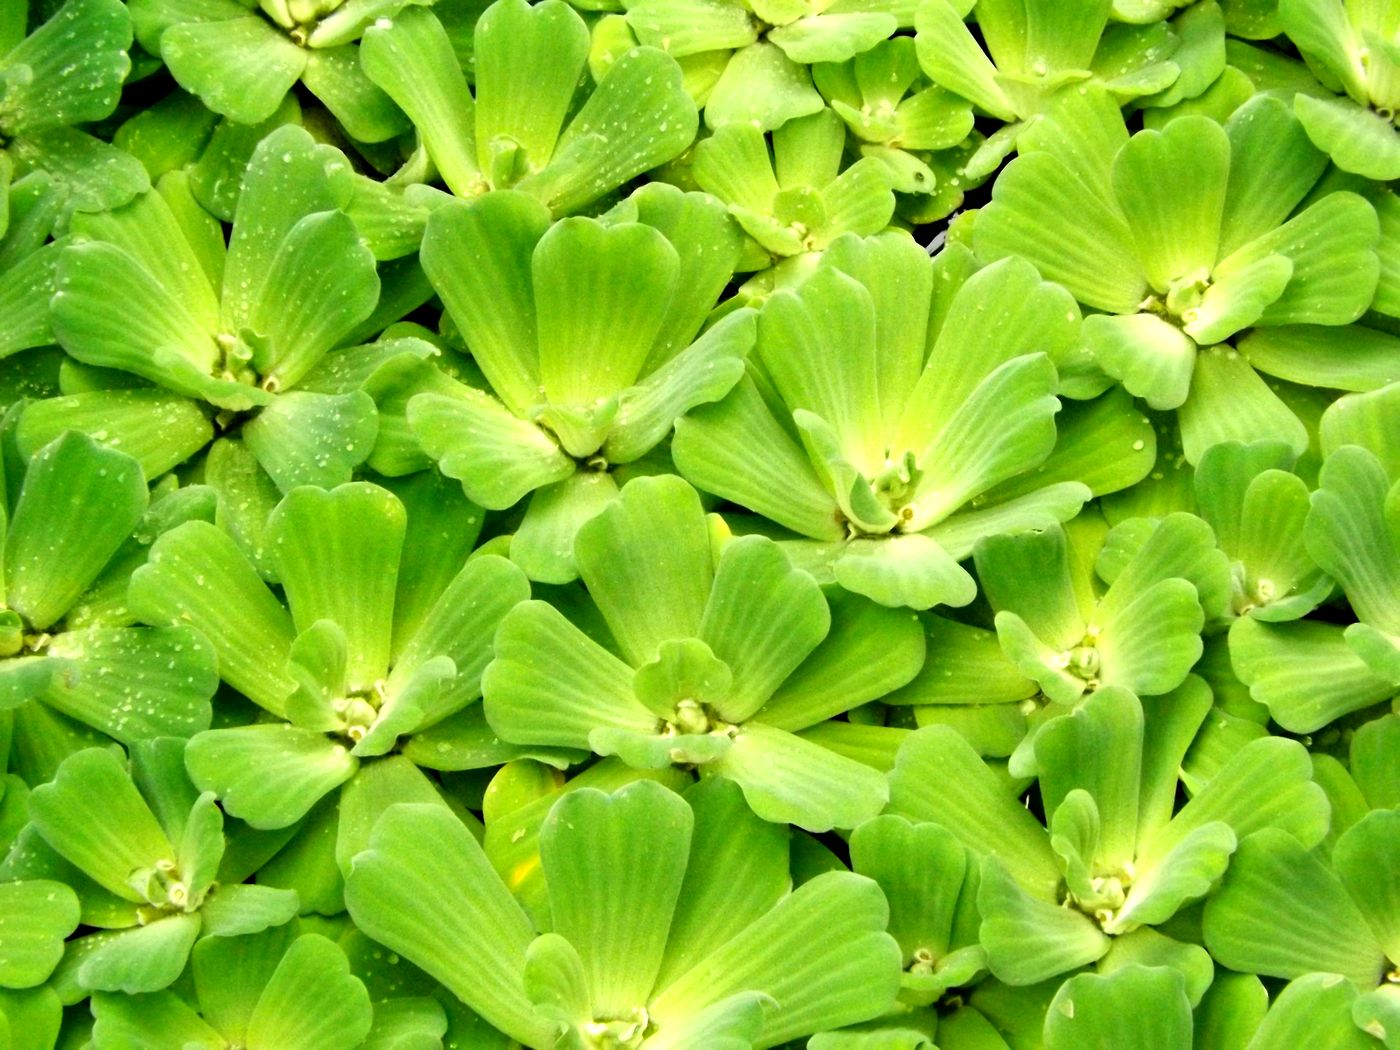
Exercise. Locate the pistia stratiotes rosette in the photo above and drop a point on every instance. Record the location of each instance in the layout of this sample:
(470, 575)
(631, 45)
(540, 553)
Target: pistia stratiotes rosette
(1082, 607)
(68, 71)
(589, 333)
(1284, 911)
(1036, 50)
(1183, 239)
(243, 59)
(796, 201)
(915, 128)
(752, 56)
(70, 657)
(671, 924)
(147, 861)
(274, 990)
(339, 678)
(723, 652)
(149, 289)
(520, 128)
(1310, 673)
(1115, 861)
(886, 397)
(1350, 46)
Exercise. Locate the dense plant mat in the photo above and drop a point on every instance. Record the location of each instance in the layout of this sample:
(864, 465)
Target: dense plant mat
(699, 524)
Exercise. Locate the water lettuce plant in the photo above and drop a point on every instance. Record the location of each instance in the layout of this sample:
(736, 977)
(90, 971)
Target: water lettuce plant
(699, 525)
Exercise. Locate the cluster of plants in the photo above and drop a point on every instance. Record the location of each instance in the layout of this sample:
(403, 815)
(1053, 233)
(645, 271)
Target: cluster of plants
(699, 524)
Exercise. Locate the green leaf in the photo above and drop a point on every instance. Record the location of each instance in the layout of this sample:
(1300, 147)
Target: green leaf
(551, 684)
(833, 37)
(869, 651)
(268, 775)
(319, 286)
(134, 682)
(425, 890)
(528, 64)
(1356, 139)
(647, 562)
(143, 959)
(763, 618)
(1346, 357)
(738, 450)
(1229, 401)
(702, 373)
(738, 870)
(303, 438)
(600, 294)
(821, 954)
(908, 570)
(544, 543)
(127, 1020)
(761, 86)
(334, 75)
(1363, 851)
(337, 554)
(1281, 913)
(92, 174)
(1042, 211)
(39, 915)
(1314, 1009)
(1184, 875)
(1029, 940)
(1153, 359)
(614, 865)
(411, 58)
(92, 815)
(1272, 167)
(312, 1001)
(1353, 538)
(1304, 672)
(951, 57)
(1171, 187)
(70, 69)
(238, 910)
(53, 552)
(1371, 769)
(1135, 1007)
(638, 117)
(197, 576)
(158, 429)
(1238, 299)
(241, 68)
(788, 779)
(498, 457)
(938, 777)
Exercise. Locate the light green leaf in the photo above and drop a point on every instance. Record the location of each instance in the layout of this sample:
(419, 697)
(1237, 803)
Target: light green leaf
(196, 575)
(938, 777)
(908, 570)
(498, 457)
(1356, 139)
(738, 870)
(39, 915)
(551, 684)
(1272, 167)
(833, 37)
(1237, 300)
(1027, 939)
(1135, 1008)
(951, 57)
(1304, 672)
(68, 70)
(53, 551)
(337, 555)
(1347, 357)
(647, 562)
(425, 890)
(1281, 913)
(1152, 358)
(303, 438)
(135, 682)
(92, 814)
(821, 954)
(311, 1002)
(158, 429)
(1313, 1010)
(788, 779)
(241, 909)
(1353, 538)
(1362, 854)
(143, 959)
(411, 58)
(761, 86)
(544, 543)
(1229, 401)
(268, 775)
(239, 67)
(1184, 875)
(614, 865)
